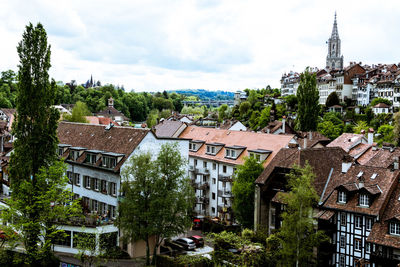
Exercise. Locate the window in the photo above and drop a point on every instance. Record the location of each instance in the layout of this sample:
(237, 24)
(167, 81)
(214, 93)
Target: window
(103, 186)
(364, 200)
(368, 247)
(195, 162)
(214, 180)
(368, 223)
(113, 189)
(224, 168)
(90, 158)
(357, 221)
(214, 166)
(357, 244)
(63, 239)
(342, 261)
(77, 179)
(109, 162)
(212, 150)
(103, 208)
(233, 154)
(228, 153)
(213, 195)
(342, 197)
(86, 181)
(258, 157)
(73, 155)
(95, 205)
(70, 176)
(60, 151)
(342, 241)
(95, 184)
(342, 218)
(394, 228)
(111, 210)
(208, 149)
(213, 209)
(205, 164)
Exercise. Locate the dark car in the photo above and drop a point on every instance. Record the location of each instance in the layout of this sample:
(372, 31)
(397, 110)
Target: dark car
(198, 240)
(187, 243)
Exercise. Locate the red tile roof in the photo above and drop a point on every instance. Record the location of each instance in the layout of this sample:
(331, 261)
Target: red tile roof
(250, 140)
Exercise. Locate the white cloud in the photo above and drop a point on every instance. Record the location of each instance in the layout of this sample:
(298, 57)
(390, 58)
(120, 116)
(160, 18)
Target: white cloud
(227, 44)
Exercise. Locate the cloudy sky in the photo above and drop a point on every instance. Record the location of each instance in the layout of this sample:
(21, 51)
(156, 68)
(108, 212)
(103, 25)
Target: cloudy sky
(152, 45)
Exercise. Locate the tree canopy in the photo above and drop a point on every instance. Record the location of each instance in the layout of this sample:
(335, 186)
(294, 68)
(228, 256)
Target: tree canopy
(378, 100)
(332, 99)
(243, 191)
(308, 107)
(158, 198)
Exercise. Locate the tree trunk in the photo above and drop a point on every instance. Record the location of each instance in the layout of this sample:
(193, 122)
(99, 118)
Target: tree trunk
(147, 251)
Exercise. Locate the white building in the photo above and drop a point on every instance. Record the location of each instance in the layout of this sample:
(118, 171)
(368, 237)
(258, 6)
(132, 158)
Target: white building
(214, 155)
(95, 155)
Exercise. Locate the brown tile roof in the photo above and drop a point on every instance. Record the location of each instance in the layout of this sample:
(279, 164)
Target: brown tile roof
(380, 230)
(168, 128)
(250, 140)
(122, 140)
(322, 161)
(377, 181)
(316, 138)
(381, 157)
(347, 141)
(381, 105)
(359, 150)
(100, 120)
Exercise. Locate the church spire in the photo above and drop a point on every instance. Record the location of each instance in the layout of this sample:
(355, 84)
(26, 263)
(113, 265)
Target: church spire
(334, 59)
(335, 33)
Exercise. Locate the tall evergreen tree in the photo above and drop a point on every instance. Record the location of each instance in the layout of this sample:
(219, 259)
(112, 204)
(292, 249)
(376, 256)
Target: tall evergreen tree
(37, 178)
(308, 106)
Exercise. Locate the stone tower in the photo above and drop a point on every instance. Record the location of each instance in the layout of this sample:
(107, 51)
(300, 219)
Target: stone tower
(334, 59)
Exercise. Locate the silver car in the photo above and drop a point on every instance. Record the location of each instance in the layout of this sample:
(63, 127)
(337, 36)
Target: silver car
(187, 243)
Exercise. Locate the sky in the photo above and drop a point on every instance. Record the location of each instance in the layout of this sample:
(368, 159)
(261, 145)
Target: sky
(155, 45)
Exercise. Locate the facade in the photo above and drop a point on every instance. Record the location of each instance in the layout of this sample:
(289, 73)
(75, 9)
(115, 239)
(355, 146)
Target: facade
(95, 156)
(239, 97)
(213, 157)
(289, 83)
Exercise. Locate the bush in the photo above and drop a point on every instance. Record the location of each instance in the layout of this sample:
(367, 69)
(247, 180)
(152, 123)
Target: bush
(186, 260)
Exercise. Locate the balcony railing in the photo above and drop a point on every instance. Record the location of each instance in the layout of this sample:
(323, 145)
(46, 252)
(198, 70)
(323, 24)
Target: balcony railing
(224, 193)
(225, 178)
(203, 200)
(205, 171)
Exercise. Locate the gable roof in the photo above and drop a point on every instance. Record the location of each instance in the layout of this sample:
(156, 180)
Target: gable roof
(120, 140)
(347, 141)
(322, 160)
(376, 181)
(168, 128)
(112, 112)
(250, 140)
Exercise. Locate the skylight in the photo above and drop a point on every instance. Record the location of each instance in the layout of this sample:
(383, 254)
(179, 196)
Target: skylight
(373, 176)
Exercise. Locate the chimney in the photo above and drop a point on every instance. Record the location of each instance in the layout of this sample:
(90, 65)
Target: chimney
(396, 163)
(283, 124)
(362, 132)
(370, 136)
(310, 135)
(305, 142)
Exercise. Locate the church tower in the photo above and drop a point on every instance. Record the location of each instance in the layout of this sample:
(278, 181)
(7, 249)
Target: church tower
(334, 59)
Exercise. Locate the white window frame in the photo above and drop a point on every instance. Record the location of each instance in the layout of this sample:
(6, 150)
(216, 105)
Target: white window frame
(368, 223)
(394, 228)
(357, 222)
(343, 219)
(342, 197)
(342, 241)
(87, 181)
(364, 200)
(342, 261)
(357, 244)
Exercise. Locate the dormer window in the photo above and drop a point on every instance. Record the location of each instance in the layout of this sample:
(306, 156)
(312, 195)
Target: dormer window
(195, 145)
(90, 158)
(394, 228)
(342, 197)
(73, 154)
(214, 148)
(259, 154)
(109, 162)
(230, 153)
(364, 200)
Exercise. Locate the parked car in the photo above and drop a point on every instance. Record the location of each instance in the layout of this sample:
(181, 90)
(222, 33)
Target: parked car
(187, 243)
(198, 240)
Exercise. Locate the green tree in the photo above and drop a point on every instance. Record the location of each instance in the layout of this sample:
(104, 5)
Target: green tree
(78, 113)
(291, 102)
(378, 100)
(243, 191)
(362, 125)
(222, 112)
(264, 117)
(158, 198)
(308, 107)
(328, 129)
(152, 118)
(297, 234)
(396, 129)
(244, 108)
(332, 99)
(386, 134)
(36, 175)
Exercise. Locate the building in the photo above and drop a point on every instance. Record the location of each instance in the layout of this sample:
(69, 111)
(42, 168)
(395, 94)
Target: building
(95, 156)
(113, 113)
(239, 97)
(169, 128)
(334, 59)
(289, 83)
(213, 157)
(381, 108)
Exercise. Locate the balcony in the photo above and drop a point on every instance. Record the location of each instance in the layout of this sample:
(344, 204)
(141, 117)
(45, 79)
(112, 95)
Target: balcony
(202, 200)
(225, 194)
(225, 178)
(204, 171)
(202, 185)
(224, 209)
(191, 168)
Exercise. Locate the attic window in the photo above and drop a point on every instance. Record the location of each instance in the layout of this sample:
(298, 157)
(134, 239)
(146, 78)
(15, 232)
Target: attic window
(90, 158)
(342, 197)
(109, 162)
(364, 200)
(373, 176)
(73, 154)
(360, 174)
(230, 153)
(211, 150)
(394, 228)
